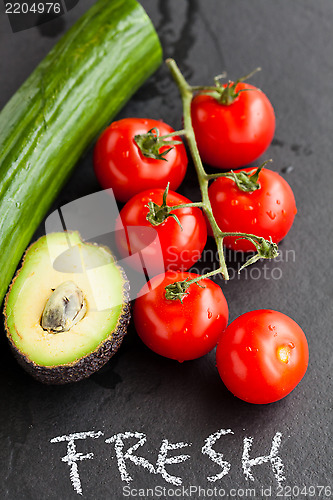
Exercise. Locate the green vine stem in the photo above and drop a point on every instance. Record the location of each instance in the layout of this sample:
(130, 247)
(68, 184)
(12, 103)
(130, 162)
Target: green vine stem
(265, 248)
(186, 93)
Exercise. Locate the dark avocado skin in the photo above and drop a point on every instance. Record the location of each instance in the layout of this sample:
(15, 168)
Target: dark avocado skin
(86, 366)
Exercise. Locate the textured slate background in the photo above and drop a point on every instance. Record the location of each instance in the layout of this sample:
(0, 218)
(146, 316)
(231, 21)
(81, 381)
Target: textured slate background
(140, 391)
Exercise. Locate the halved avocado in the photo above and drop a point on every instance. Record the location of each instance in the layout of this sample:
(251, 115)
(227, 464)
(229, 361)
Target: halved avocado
(67, 309)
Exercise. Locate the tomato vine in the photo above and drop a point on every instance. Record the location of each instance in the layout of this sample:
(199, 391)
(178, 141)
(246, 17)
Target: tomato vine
(266, 249)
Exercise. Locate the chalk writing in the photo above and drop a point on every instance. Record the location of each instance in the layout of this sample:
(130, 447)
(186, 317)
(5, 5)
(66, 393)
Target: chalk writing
(162, 461)
(73, 457)
(207, 449)
(273, 457)
(125, 454)
(118, 440)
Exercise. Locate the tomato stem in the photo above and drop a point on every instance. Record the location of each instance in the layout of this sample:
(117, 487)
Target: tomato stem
(204, 276)
(245, 181)
(151, 143)
(173, 134)
(178, 289)
(225, 94)
(159, 213)
(198, 204)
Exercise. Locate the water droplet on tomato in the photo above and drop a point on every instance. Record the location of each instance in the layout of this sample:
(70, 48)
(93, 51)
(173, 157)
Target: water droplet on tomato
(210, 314)
(248, 207)
(271, 214)
(284, 212)
(291, 345)
(126, 154)
(278, 202)
(254, 221)
(234, 202)
(272, 328)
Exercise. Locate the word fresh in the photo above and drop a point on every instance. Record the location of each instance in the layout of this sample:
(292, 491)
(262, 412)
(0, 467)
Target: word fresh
(126, 453)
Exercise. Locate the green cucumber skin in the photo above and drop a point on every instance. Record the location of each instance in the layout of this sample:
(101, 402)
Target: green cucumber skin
(61, 108)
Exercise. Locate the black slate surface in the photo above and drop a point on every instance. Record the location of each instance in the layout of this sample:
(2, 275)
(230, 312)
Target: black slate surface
(140, 392)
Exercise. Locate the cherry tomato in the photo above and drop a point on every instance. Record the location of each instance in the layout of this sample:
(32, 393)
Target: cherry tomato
(166, 246)
(120, 165)
(180, 331)
(268, 212)
(234, 135)
(262, 356)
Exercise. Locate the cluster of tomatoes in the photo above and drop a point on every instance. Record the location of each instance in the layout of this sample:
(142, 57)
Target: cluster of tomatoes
(263, 354)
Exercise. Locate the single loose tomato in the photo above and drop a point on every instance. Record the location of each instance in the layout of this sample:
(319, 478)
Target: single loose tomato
(268, 212)
(262, 356)
(164, 246)
(119, 163)
(180, 330)
(233, 135)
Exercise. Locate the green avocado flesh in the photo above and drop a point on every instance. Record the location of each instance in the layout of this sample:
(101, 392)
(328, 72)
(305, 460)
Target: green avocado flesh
(49, 262)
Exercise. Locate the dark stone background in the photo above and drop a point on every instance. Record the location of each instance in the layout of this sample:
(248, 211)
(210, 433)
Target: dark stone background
(138, 390)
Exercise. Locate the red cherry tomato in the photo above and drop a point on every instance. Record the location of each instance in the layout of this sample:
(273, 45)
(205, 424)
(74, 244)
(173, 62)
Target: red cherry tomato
(120, 165)
(262, 356)
(267, 212)
(176, 330)
(166, 246)
(234, 135)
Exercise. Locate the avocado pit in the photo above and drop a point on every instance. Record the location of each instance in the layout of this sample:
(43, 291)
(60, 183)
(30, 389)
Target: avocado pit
(65, 308)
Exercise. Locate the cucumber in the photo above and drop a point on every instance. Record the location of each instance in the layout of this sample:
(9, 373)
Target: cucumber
(61, 108)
